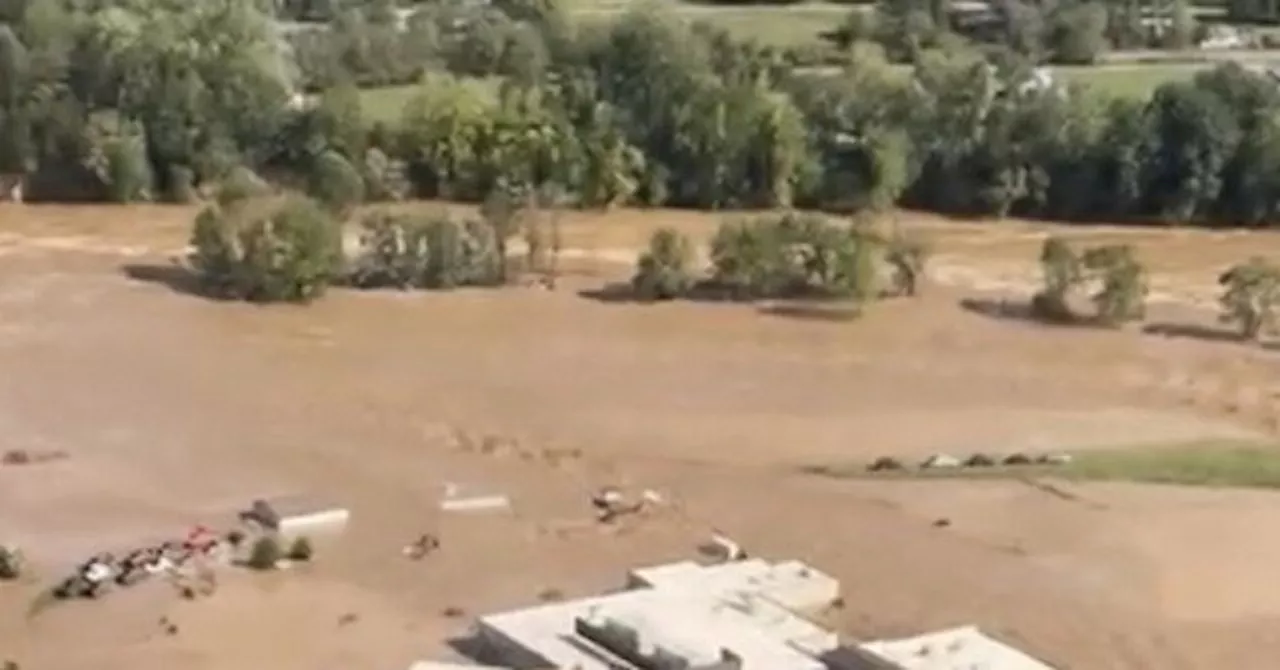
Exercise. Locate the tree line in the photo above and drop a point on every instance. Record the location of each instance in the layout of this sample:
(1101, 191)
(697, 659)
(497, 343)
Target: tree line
(257, 246)
(135, 100)
(1075, 32)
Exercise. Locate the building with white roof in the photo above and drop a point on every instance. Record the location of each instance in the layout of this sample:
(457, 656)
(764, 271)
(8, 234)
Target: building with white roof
(964, 648)
(742, 615)
(791, 584)
(691, 624)
(746, 609)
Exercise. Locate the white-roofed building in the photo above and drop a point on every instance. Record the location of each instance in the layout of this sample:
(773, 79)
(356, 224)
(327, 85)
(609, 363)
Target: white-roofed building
(694, 625)
(964, 648)
(791, 584)
(741, 615)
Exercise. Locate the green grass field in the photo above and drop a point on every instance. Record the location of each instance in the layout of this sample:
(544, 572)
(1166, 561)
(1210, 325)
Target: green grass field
(387, 104)
(1201, 463)
(782, 26)
(1130, 81)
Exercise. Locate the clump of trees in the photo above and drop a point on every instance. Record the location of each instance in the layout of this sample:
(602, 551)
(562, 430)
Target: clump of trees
(1115, 282)
(1250, 293)
(646, 109)
(433, 251)
(788, 255)
(265, 554)
(1076, 32)
(664, 271)
(266, 249)
(1111, 276)
(257, 246)
(108, 101)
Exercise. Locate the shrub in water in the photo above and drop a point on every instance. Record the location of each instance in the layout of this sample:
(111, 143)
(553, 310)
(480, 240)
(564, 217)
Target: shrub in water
(265, 553)
(301, 550)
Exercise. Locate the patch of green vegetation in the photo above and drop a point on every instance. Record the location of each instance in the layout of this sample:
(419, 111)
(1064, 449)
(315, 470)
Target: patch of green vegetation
(1128, 81)
(1206, 463)
(788, 26)
(387, 104)
(1214, 463)
(773, 25)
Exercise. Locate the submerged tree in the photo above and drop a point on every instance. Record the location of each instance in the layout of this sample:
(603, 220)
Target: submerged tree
(1122, 292)
(1118, 281)
(433, 251)
(266, 251)
(1250, 293)
(907, 257)
(1061, 270)
(663, 271)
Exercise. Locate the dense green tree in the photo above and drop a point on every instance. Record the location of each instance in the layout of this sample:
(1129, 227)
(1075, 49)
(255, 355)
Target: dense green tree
(336, 183)
(1194, 135)
(1076, 33)
(266, 251)
(123, 100)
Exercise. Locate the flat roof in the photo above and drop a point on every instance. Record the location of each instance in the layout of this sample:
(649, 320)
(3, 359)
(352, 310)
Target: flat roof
(706, 577)
(963, 648)
(691, 622)
(791, 584)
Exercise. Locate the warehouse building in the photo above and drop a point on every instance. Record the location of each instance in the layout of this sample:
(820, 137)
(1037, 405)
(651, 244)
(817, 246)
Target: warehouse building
(740, 615)
(730, 615)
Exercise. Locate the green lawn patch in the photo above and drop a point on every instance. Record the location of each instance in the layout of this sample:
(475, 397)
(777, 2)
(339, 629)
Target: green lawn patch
(774, 25)
(387, 104)
(1128, 81)
(1215, 463)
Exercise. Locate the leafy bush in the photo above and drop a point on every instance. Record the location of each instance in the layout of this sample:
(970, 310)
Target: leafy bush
(11, 563)
(241, 183)
(265, 553)
(118, 157)
(663, 272)
(433, 252)
(182, 187)
(266, 251)
(1122, 289)
(908, 258)
(1119, 282)
(301, 550)
(1250, 292)
(384, 177)
(795, 256)
(336, 183)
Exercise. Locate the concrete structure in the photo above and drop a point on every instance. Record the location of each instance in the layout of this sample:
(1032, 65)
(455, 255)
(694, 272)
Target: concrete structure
(791, 584)
(296, 514)
(691, 624)
(732, 616)
(741, 614)
(962, 648)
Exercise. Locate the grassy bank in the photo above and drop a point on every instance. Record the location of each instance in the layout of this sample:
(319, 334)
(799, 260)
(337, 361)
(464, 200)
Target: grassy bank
(1214, 463)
